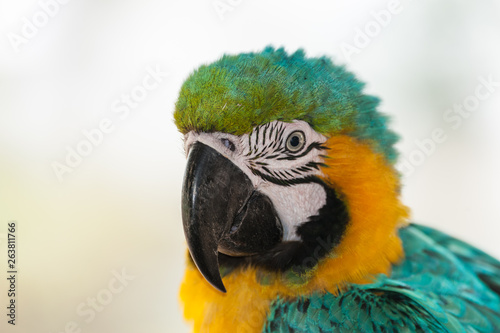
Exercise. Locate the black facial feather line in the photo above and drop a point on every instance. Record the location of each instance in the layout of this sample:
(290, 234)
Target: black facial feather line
(275, 150)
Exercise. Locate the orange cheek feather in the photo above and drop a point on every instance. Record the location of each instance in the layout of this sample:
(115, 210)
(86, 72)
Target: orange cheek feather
(370, 245)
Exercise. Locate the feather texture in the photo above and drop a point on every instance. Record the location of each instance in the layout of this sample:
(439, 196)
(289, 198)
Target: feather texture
(437, 288)
(238, 92)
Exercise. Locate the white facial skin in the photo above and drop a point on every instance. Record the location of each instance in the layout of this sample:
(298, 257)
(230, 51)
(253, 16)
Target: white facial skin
(264, 154)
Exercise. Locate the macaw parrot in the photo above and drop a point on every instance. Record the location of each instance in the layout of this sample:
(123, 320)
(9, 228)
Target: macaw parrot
(292, 214)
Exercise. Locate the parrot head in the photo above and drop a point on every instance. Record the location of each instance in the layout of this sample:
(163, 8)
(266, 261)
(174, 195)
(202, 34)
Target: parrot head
(289, 169)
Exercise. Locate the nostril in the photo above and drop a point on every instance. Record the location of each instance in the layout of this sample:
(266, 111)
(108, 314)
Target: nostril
(228, 144)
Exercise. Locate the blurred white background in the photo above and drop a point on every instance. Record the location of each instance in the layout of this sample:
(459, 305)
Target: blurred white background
(119, 208)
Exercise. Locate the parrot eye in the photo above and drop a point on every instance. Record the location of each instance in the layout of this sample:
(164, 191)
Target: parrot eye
(228, 144)
(295, 141)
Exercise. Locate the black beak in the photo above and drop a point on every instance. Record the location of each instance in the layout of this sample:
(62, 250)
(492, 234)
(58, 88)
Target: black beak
(222, 212)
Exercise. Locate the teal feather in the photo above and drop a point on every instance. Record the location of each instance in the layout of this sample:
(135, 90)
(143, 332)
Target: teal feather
(443, 285)
(238, 92)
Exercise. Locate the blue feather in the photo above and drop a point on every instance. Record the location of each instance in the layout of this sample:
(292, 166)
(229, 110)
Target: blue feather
(443, 285)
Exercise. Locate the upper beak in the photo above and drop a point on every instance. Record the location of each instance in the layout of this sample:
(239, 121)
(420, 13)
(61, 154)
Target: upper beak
(222, 212)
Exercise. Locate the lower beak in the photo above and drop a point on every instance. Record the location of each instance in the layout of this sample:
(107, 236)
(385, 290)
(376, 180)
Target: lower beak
(222, 212)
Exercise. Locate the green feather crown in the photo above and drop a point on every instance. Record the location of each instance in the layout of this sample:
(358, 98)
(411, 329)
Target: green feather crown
(238, 92)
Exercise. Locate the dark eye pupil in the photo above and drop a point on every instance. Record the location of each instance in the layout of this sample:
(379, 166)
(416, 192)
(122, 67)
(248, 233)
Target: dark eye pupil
(295, 141)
